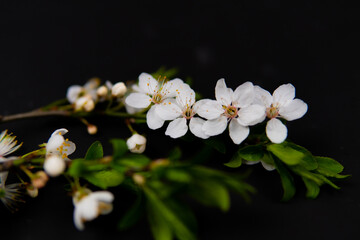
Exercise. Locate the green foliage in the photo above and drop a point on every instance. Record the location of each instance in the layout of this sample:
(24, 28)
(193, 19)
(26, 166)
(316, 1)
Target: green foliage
(217, 144)
(287, 180)
(119, 148)
(95, 151)
(105, 178)
(133, 214)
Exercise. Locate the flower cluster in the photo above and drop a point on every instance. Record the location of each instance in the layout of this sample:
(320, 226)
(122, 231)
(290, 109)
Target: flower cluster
(236, 110)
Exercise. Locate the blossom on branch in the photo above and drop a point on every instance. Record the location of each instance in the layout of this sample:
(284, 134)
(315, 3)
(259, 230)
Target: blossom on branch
(8, 145)
(136, 143)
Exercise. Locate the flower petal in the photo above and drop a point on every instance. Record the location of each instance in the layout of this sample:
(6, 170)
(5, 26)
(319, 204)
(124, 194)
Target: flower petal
(168, 109)
(73, 93)
(262, 97)
(209, 109)
(103, 196)
(196, 125)
(243, 95)
(250, 162)
(138, 100)
(186, 96)
(267, 166)
(61, 131)
(215, 126)
(238, 133)
(177, 128)
(276, 131)
(148, 83)
(79, 224)
(54, 142)
(88, 208)
(293, 110)
(170, 87)
(69, 147)
(222, 93)
(251, 115)
(284, 93)
(153, 120)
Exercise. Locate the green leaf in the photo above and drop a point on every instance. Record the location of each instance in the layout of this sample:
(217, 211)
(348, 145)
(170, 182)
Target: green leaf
(211, 193)
(308, 161)
(286, 153)
(132, 215)
(105, 178)
(329, 164)
(251, 152)
(217, 144)
(119, 147)
(178, 175)
(159, 226)
(77, 168)
(287, 180)
(235, 161)
(95, 151)
(160, 211)
(312, 187)
(133, 160)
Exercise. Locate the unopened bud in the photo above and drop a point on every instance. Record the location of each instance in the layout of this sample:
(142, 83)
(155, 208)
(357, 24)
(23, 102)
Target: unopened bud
(139, 179)
(54, 165)
(136, 143)
(40, 179)
(85, 103)
(102, 91)
(92, 129)
(119, 89)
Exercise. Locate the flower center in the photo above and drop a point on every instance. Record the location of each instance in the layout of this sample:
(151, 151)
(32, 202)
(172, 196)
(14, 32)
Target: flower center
(230, 111)
(188, 113)
(272, 111)
(157, 98)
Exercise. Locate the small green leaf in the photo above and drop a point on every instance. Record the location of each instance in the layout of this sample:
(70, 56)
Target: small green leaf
(287, 180)
(105, 178)
(217, 144)
(286, 153)
(95, 151)
(251, 152)
(77, 168)
(329, 164)
(133, 160)
(313, 189)
(235, 161)
(119, 147)
(132, 215)
(308, 161)
(175, 154)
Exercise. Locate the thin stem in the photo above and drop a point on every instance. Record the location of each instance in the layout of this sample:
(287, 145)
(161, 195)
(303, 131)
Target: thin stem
(33, 114)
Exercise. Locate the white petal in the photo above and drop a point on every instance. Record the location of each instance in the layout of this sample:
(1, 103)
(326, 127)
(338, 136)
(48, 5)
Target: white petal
(284, 93)
(54, 142)
(215, 126)
(92, 84)
(222, 93)
(73, 93)
(267, 166)
(250, 162)
(209, 109)
(69, 147)
(295, 109)
(262, 97)
(238, 133)
(168, 109)
(88, 208)
(61, 131)
(243, 95)
(170, 87)
(276, 131)
(79, 224)
(186, 96)
(251, 115)
(177, 128)
(103, 196)
(196, 125)
(148, 83)
(3, 177)
(138, 100)
(54, 165)
(153, 120)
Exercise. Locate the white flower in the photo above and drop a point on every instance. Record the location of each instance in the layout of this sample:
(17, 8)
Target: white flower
(136, 143)
(151, 91)
(57, 150)
(76, 91)
(280, 105)
(180, 110)
(9, 194)
(7, 146)
(231, 106)
(89, 205)
(85, 103)
(118, 90)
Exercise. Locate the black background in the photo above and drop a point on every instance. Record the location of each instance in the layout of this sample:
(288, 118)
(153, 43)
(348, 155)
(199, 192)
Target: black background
(47, 46)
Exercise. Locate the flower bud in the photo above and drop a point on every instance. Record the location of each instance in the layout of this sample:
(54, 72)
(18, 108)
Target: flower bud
(139, 179)
(136, 143)
(32, 191)
(85, 103)
(40, 179)
(54, 165)
(102, 91)
(92, 129)
(119, 89)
